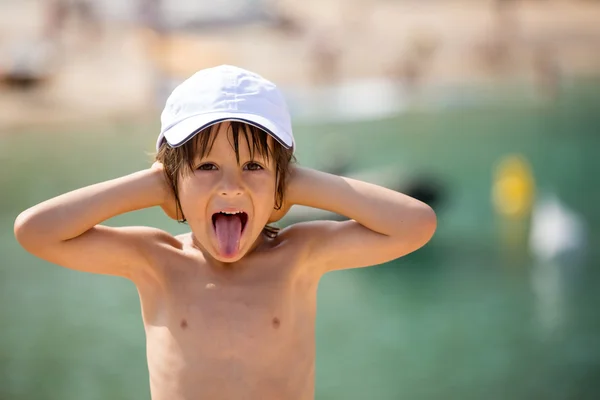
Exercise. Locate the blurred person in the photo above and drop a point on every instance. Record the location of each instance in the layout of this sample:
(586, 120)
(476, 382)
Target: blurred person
(410, 68)
(31, 64)
(497, 51)
(326, 55)
(228, 308)
(506, 16)
(286, 19)
(547, 71)
(59, 11)
(151, 15)
(406, 70)
(156, 39)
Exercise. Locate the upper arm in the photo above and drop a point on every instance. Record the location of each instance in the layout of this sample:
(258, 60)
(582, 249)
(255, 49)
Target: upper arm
(106, 250)
(337, 245)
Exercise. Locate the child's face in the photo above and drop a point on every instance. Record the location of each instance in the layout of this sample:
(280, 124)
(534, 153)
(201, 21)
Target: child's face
(220, 185)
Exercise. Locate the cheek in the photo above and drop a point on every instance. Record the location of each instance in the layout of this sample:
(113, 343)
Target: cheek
(263, 189)
(192, 192)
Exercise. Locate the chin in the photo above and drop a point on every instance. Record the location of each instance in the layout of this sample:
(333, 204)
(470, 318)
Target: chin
(228, 259)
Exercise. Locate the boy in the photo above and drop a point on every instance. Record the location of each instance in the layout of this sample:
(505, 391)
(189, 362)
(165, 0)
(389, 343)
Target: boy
(229, 308)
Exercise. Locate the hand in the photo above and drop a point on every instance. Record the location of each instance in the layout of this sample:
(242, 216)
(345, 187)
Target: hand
(169, 204)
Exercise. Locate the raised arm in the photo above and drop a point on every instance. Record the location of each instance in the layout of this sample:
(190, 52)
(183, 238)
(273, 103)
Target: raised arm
(65, 231)
(383, 225)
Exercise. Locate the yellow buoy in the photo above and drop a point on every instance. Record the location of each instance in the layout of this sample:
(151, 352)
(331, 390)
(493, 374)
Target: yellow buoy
(513, 187)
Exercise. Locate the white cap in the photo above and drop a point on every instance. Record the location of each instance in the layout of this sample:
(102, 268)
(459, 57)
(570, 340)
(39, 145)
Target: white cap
(224, 93)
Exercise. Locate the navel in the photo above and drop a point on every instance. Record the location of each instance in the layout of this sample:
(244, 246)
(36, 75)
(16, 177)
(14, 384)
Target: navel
(276, 322)
(183, 324)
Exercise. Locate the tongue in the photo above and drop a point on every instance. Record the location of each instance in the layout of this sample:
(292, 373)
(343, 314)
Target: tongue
(229, 231)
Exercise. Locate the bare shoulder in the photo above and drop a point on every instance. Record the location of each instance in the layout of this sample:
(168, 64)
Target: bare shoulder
(152, 240)
(160, 246)
(181, 242)
(304, 235)
(172, 250)
(300, 237)
(159, 237)
(303, 232)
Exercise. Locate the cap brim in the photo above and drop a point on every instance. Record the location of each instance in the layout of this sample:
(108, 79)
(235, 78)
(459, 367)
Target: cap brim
(182, 132)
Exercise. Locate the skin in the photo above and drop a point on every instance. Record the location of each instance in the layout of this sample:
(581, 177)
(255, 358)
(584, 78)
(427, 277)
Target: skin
(240, 326)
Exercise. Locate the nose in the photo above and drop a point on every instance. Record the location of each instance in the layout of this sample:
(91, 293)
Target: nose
(230, 185)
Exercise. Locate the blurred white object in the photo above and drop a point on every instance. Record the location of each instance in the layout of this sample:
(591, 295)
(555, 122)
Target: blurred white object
(555, 230)
(349, 101)
(557, 241)
(31, 58)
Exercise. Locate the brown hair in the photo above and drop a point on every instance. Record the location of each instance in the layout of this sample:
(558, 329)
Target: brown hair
(180, 160)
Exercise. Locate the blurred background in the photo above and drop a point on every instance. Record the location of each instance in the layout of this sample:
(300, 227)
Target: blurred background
(489, 111)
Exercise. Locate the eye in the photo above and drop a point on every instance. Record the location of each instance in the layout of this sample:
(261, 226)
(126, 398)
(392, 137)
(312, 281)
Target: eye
(206, 167)
(252, 166)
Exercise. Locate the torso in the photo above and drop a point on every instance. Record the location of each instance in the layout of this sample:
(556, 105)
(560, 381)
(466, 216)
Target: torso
(245, 332)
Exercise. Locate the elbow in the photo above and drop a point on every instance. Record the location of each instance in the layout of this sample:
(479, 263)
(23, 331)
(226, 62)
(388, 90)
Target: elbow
(422, 228)
(414, 233)
(24, 229)
(21, 227)
(429, 224)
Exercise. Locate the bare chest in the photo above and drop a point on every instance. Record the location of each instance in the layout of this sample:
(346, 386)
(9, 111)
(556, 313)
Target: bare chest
(237, 311)
(212, 306)
(251, 331)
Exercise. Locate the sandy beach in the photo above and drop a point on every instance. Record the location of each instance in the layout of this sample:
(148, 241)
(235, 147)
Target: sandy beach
(453, 42)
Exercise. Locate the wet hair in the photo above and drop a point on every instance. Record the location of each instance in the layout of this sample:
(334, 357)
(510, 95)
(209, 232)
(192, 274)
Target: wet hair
(180, 160)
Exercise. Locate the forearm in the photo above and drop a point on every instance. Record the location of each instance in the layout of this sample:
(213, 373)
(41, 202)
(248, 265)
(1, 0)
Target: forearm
(71, 214)
(380, 209)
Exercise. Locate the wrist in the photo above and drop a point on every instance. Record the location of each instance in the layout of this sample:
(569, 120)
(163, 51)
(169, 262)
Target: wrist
(292, 187)
(300, 185)
(149, 184)
(158, 182)
(165, 197)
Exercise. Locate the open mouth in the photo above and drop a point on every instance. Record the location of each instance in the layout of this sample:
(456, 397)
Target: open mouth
(243, 217)
(229, 226)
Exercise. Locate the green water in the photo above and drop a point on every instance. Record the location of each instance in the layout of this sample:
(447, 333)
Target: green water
(464, 318)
